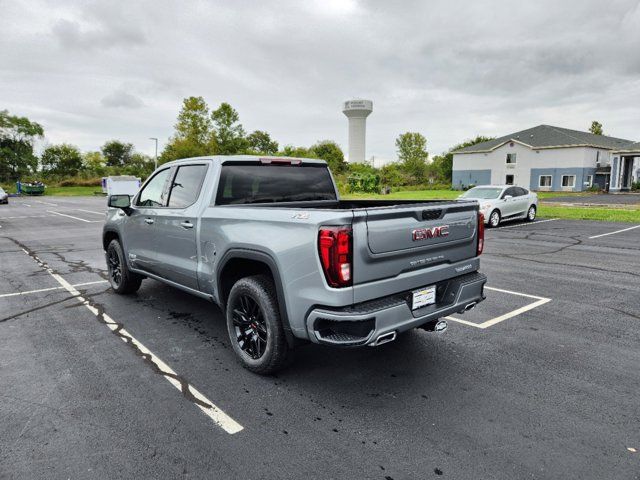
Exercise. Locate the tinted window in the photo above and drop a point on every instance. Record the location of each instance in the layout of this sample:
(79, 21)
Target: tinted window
(152, 193)
(251, 183)
(482, 193)
(510, 191)
(521, 191)
(186, 185)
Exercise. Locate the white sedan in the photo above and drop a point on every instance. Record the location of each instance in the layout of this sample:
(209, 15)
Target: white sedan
(506, 202)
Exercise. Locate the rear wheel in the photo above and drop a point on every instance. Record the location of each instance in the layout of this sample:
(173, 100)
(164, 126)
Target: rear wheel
(122, 280)
(531, 213)
(255, 329)
(494, 219)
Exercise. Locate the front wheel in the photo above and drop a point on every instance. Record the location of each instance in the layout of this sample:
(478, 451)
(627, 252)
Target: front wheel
(494, 219)
(255, 329)
(122, 280)
(531, 213)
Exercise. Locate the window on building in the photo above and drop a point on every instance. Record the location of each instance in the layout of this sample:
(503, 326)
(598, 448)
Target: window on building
(509, 180)
(545, 181)
(568, 180)
(511, 158)
(589, 180)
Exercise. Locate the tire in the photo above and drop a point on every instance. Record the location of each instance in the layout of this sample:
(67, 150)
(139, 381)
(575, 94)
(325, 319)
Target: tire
(494, 219)
(531, 213)
(255, 329)
(122, 280)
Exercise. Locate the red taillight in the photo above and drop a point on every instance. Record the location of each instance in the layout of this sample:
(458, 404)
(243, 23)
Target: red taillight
(335, 246)
(480, 233)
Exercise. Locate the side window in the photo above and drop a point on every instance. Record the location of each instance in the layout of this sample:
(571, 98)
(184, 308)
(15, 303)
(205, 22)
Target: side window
(186, 185)
(510, 191)
(520, 192)
(152, 193)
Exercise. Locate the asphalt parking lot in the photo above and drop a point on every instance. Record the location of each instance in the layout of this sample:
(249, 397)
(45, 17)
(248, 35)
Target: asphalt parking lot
(539, 381)
(620, 199)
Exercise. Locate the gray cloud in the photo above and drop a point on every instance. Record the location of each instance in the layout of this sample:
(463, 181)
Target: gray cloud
(121, 99)
(445, 68)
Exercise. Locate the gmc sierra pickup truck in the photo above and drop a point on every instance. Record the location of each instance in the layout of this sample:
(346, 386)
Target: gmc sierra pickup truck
(287, 261)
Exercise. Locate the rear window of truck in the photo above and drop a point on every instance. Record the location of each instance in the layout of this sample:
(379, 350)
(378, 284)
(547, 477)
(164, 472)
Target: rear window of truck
(251, 183)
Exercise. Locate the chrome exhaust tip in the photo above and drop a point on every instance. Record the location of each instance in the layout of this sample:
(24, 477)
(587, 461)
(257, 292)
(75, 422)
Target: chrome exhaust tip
(468, 306)
(384, 338)
(437, 326)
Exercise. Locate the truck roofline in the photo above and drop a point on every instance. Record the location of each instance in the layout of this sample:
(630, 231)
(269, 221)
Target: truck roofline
(220, 159)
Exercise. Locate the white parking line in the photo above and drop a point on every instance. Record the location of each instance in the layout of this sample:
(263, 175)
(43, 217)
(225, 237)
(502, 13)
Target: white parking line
(529, 224)
(90, 211)
(617, 231)
(218, 417)
(28, 292)
(489, 323)
(75, 218)
(47, 203)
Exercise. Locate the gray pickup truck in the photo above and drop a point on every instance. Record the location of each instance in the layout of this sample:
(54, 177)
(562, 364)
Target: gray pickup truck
(270, 241)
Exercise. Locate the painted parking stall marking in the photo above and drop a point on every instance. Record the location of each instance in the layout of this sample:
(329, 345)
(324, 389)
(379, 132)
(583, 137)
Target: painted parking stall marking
(90, 211)
(75, 218)
(514, 313)
(218, 417)
(613, 233)
(528, 224)
(29, 292)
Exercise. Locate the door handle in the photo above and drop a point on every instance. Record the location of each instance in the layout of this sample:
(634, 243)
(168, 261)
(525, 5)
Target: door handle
(186, 224)
(149, 221)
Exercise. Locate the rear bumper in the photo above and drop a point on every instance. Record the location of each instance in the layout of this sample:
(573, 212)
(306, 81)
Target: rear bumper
(363, 323)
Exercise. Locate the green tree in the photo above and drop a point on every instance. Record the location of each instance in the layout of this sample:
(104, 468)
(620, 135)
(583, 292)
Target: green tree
(260, 142)
(63, 159)
(194, 121)
(412, 153)
(94, 163)
(140, 165)
(117, 153)
(17, 137)
(330, 152)
(442, 165)
(596, 128)
(229, 131)
(194, 135)
(296, 152)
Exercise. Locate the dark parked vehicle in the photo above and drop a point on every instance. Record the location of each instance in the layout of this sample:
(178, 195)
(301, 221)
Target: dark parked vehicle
(270, 241)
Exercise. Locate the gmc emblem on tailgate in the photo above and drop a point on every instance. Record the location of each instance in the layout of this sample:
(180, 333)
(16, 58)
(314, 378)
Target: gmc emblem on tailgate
(426, 233)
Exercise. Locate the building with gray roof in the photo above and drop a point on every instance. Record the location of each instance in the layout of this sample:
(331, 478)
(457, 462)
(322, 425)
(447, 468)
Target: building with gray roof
(549, 158)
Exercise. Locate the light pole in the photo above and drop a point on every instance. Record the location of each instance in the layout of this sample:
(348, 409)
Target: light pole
(156, 158)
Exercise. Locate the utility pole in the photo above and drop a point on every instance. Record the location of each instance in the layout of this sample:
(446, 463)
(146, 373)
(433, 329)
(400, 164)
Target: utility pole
(156, 158)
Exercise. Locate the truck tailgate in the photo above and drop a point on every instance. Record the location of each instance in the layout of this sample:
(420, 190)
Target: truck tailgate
(410, 237)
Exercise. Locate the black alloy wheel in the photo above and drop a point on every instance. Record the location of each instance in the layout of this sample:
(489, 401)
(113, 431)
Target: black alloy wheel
(115, 267)
(250, 326)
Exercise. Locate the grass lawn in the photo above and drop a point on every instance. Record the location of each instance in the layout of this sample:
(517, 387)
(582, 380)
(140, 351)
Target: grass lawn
(72, 191)
(571, 213)
(591, 213)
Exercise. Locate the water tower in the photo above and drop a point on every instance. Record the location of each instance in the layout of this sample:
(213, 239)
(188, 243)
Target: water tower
(357, 112)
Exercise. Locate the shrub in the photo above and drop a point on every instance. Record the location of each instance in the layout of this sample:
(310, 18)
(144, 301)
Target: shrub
(635, 186)
(363, 182)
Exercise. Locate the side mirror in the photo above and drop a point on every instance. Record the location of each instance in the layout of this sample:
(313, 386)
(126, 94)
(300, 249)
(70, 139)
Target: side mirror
(507, 197)
(122, 202)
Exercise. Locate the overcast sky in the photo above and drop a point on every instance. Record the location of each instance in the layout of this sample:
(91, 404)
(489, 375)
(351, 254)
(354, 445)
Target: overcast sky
(92, 71)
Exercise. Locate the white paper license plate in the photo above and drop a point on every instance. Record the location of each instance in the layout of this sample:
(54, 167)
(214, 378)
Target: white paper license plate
(424, 296)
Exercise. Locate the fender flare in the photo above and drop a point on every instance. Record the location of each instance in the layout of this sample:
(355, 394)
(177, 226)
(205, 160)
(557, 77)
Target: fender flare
(257, 255)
